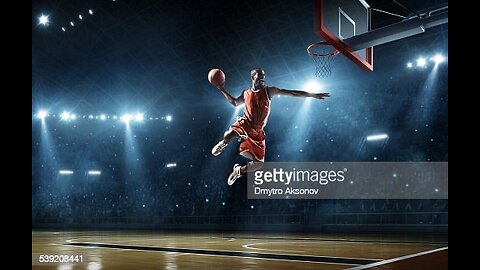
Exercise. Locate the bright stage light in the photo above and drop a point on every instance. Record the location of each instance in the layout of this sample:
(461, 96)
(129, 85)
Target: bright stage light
(409, 65)
(421, 62)
(43, 20)
(94, 172)
(126, 118)
(377, 137)
(90, 11)
(42, 114)
(438, 58)
(312, 87)
(65, 116)
(170, 165)
(168, 118)
(65, 172)
(139, 117)
(103, 117)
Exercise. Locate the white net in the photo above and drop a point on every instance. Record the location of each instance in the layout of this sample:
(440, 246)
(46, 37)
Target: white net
(322, 55)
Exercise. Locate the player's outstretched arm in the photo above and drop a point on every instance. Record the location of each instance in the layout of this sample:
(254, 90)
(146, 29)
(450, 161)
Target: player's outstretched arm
(274, 91)
(234, 101)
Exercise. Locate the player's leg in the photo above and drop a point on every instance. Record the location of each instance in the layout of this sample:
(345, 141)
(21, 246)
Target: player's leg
(228, 136)
(253, 165)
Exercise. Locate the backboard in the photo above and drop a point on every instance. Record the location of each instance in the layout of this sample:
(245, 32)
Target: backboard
(338, 20)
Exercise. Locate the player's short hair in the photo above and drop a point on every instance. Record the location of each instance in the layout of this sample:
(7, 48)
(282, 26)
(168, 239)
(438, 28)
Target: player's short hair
(255, 70)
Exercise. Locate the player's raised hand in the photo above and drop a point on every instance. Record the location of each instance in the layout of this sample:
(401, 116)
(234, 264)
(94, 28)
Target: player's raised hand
(221, 86)
(322, 95)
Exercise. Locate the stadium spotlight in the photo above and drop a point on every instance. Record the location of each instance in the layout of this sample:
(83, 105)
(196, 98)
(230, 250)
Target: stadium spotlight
(103, 117)
(94, 172)
(409, 65)
(139, 117)
(73, 116)
(438, 58)
(43, 20)
(312, 87)
(65, 172)
(65, 116)
(63, 29)
(421, 62)
(377, 137)
(42, 114)
(71, 23)
(126, 118)
(90, 11)
(80, 16)
(168, 118)
(170, 165)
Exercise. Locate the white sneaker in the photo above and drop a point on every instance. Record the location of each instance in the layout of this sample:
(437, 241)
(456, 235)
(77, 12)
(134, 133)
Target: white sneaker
(234, 175)
(219, 147)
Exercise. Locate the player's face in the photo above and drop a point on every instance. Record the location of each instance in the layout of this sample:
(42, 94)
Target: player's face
(258, 79)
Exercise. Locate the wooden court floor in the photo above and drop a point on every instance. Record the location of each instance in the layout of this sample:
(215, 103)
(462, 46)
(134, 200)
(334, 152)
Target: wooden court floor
(174, 251)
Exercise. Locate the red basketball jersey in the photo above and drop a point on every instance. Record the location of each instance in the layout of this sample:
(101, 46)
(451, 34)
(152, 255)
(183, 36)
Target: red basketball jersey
(257, 107)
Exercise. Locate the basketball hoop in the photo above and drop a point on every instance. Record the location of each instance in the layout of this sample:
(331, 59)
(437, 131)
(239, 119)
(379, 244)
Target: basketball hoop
(322, 58)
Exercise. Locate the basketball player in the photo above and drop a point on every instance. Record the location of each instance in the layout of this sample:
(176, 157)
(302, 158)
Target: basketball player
(250, 126)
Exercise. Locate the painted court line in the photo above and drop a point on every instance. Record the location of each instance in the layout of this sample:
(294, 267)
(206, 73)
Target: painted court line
(398, 259)
(304, 258)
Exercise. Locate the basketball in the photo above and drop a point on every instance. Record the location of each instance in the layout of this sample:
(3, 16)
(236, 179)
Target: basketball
(216, 77)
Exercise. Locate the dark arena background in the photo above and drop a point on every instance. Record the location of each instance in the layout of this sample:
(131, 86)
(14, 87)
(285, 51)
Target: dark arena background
(124, 120)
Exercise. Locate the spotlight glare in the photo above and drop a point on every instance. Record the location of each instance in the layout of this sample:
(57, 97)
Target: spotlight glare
(421, 62)
(409, 65)
(90, 116)
(312, 87)
(73, 117)
(90, 11)
(126, 118)
(65, 172)
(43, 20)
(42, 114)
(438, 58)
(168, 118)
(139, 117)
(63, 29)
(377, 137)
(80, 17)
(65, 116)
(103, 117)
(170, 165)
(71, 23)
(94, 172)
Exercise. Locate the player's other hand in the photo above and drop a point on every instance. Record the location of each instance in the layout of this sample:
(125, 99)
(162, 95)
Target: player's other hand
(322, 95)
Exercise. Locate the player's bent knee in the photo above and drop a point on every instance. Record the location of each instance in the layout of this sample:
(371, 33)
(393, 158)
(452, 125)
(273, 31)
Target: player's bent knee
(255, 165)
(230, 135)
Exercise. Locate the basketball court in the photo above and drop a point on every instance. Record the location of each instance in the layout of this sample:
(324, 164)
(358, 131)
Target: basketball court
(166, 250)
